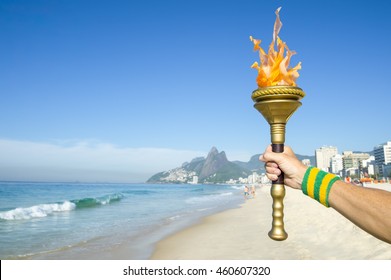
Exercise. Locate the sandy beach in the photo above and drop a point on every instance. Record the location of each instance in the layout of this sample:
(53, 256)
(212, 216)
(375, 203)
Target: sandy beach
(314, 232)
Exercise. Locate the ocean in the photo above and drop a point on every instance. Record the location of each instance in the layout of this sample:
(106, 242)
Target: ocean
(100, 221)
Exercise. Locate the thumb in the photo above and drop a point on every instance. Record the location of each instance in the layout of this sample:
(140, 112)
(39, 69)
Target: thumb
(268, 149)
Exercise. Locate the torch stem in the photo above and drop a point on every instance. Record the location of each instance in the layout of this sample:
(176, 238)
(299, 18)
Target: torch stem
(278, 232)
(277, 190)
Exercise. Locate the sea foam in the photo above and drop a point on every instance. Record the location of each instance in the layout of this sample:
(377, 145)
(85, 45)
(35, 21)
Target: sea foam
(206, 198)
(37, 211)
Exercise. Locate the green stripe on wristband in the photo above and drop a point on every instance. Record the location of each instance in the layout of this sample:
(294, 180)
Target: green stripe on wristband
(332, 181)
(305, 180)
(318, 182)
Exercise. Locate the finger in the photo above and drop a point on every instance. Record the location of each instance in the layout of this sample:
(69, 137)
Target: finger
(271, 177)
(271, 164)
(270, 156)
(274, 171)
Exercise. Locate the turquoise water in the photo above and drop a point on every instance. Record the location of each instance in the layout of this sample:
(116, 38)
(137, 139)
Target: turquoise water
(100, 221)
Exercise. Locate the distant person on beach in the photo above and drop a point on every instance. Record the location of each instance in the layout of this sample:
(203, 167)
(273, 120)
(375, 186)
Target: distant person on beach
(253, 191)
(246, 193)
(368, 208)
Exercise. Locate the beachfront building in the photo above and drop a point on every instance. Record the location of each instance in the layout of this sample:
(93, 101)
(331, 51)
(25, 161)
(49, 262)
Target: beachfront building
(264, 179)
(323, 157)
(352, 162)
(336, 164)
(387, 171)
(253, 178)
(250, 179)
(368, 166)
(306, 162)
(195, 180)
(382, 154)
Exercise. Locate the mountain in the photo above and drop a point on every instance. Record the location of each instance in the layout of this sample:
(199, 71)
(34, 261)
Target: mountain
(215, 168)
(255, 165)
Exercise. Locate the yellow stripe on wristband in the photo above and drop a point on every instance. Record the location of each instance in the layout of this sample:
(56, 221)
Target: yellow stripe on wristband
(311, 181)
(323, 189)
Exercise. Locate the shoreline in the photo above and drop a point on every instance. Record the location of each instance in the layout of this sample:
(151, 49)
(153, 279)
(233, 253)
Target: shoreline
(242, 233)
(138, 245)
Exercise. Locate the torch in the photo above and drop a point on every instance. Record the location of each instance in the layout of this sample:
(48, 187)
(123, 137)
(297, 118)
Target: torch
(277, 104)
(276, 98)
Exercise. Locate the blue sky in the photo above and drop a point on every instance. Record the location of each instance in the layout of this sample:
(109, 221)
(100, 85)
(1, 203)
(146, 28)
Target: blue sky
(119, 90)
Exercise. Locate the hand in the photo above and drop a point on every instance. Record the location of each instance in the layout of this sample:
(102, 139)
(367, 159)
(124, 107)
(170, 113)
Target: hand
(286, 162)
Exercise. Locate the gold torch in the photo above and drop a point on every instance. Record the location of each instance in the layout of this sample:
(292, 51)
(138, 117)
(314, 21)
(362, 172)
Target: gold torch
(276, 98)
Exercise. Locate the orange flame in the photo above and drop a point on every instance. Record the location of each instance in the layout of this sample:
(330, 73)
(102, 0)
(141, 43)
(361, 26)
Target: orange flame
(274, 65)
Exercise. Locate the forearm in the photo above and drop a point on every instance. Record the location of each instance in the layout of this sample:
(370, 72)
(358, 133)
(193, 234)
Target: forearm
(370, 209)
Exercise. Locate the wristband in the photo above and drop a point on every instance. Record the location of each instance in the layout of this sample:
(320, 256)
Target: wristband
(317, 184)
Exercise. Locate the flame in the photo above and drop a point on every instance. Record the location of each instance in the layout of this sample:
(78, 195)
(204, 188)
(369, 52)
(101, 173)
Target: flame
(274, 65)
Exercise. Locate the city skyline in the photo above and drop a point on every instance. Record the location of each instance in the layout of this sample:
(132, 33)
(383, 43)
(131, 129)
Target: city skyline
(119, 91)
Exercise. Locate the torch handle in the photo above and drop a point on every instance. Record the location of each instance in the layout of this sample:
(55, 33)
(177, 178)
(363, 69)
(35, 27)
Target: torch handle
(278, 148)
(278, 193)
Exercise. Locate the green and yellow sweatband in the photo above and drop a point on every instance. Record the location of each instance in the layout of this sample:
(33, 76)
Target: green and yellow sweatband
(317, 184)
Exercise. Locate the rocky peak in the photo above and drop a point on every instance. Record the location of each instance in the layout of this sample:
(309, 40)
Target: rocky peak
(214, 161)
(213, 152)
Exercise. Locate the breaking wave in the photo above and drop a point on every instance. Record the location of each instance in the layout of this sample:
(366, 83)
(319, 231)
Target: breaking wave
(43, 210)
(92, 202)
